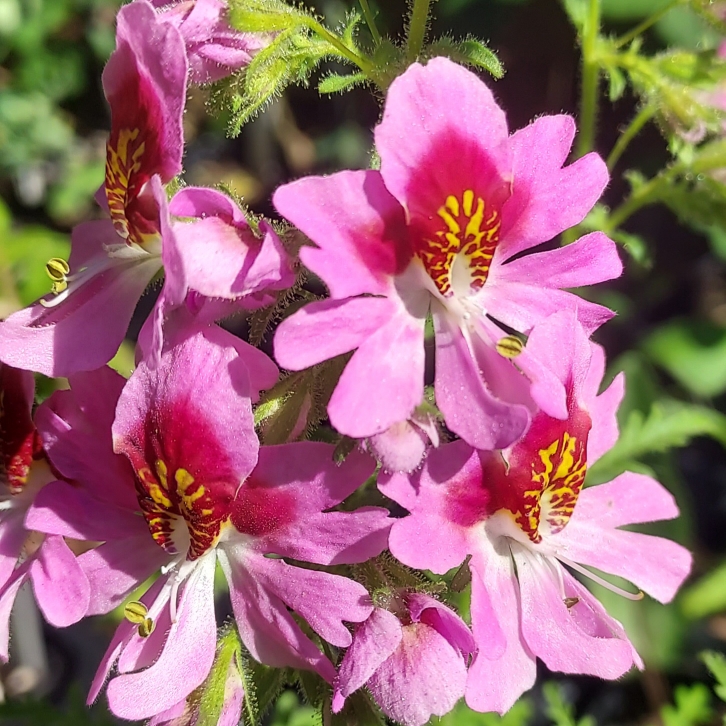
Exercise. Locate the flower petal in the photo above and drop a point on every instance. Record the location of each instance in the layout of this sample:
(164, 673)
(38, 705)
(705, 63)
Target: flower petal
(383, 382)
(563, 644)
(328, 328)
(358, 227)
(547, 198)
(60, 585)
(373, 642)
(185, 661)
(468, 407)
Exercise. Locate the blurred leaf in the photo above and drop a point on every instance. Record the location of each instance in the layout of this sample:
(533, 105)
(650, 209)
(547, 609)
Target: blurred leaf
(622, 10)
(577, 11)
(692, 706)
(559, 710)
(706, 596)
(693, 352)
(289, 712)
(668, 424)
(255, 16)
(27, 251)
(716, 664)
(519, 715)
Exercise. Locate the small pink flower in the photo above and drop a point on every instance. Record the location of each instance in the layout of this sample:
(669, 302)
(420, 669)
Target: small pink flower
(412, 656)
(111, 263)
(214, 49)
(525, 520)
(61, 589)
(439, 229)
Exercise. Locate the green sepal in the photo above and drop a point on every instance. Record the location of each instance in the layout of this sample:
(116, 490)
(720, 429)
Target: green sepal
(471, 51)
(212, 691)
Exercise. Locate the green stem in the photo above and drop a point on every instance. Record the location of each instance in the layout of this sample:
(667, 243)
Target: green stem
(363, 63)
(590, 78)
(642, 27)
(417, 28)
(640, 120)
(370, 21)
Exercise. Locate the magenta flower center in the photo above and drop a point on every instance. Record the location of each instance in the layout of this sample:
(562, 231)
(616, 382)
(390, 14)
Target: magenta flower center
(466, 231)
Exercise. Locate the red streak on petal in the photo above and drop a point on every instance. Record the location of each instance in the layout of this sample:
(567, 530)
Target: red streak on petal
(19, 441)
(259, 509)
(134, 154)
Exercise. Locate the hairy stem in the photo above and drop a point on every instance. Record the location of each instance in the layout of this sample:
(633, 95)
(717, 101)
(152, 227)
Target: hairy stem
(590, 79)
(633, 129)
(370, 21)
(363, 63)
(417, 28)
(642, 27)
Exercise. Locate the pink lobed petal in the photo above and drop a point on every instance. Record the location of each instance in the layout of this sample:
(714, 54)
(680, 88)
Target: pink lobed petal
(603, 412)
(504, 667)
(358, 227)
(591, 259)
(265, 625)
(7, 600)
(521, 306)
(469, 408)
(117, 567)
(61, 588)
(426, 609)
(85, 330)
(145, 85)
(206, 435)
(547, 198)
(374, 641)
(384, 380)
(75, 427)
(564, 645)
(424, 676)
(328, 328)
(441, 133)
(323, 599)
(185, 660)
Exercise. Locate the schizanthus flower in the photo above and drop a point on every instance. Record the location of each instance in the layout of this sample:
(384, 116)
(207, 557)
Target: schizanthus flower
(436, 231)
(189, 486)
(524, 518)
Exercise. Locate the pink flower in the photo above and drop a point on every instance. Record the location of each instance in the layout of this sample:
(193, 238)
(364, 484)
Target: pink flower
(524, 518)
(81, 326)
(61, 589)
(412, 656)
(436, 230)
(199, 490)
(214, 49)
(222, 266)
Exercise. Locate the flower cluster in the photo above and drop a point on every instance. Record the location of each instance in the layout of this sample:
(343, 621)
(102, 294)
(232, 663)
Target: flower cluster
(131, 493)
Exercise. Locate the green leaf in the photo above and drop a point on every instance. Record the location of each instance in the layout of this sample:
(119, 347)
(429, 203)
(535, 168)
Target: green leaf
(706, 596)
(693, 352)
(559, 710)
(519, 715)
(669, 424)
(213, 689)
(337, 84)
(692, 706)
(716, 664)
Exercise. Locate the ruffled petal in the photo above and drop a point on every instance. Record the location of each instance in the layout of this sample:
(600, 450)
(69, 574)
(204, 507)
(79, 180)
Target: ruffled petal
(547, 198)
